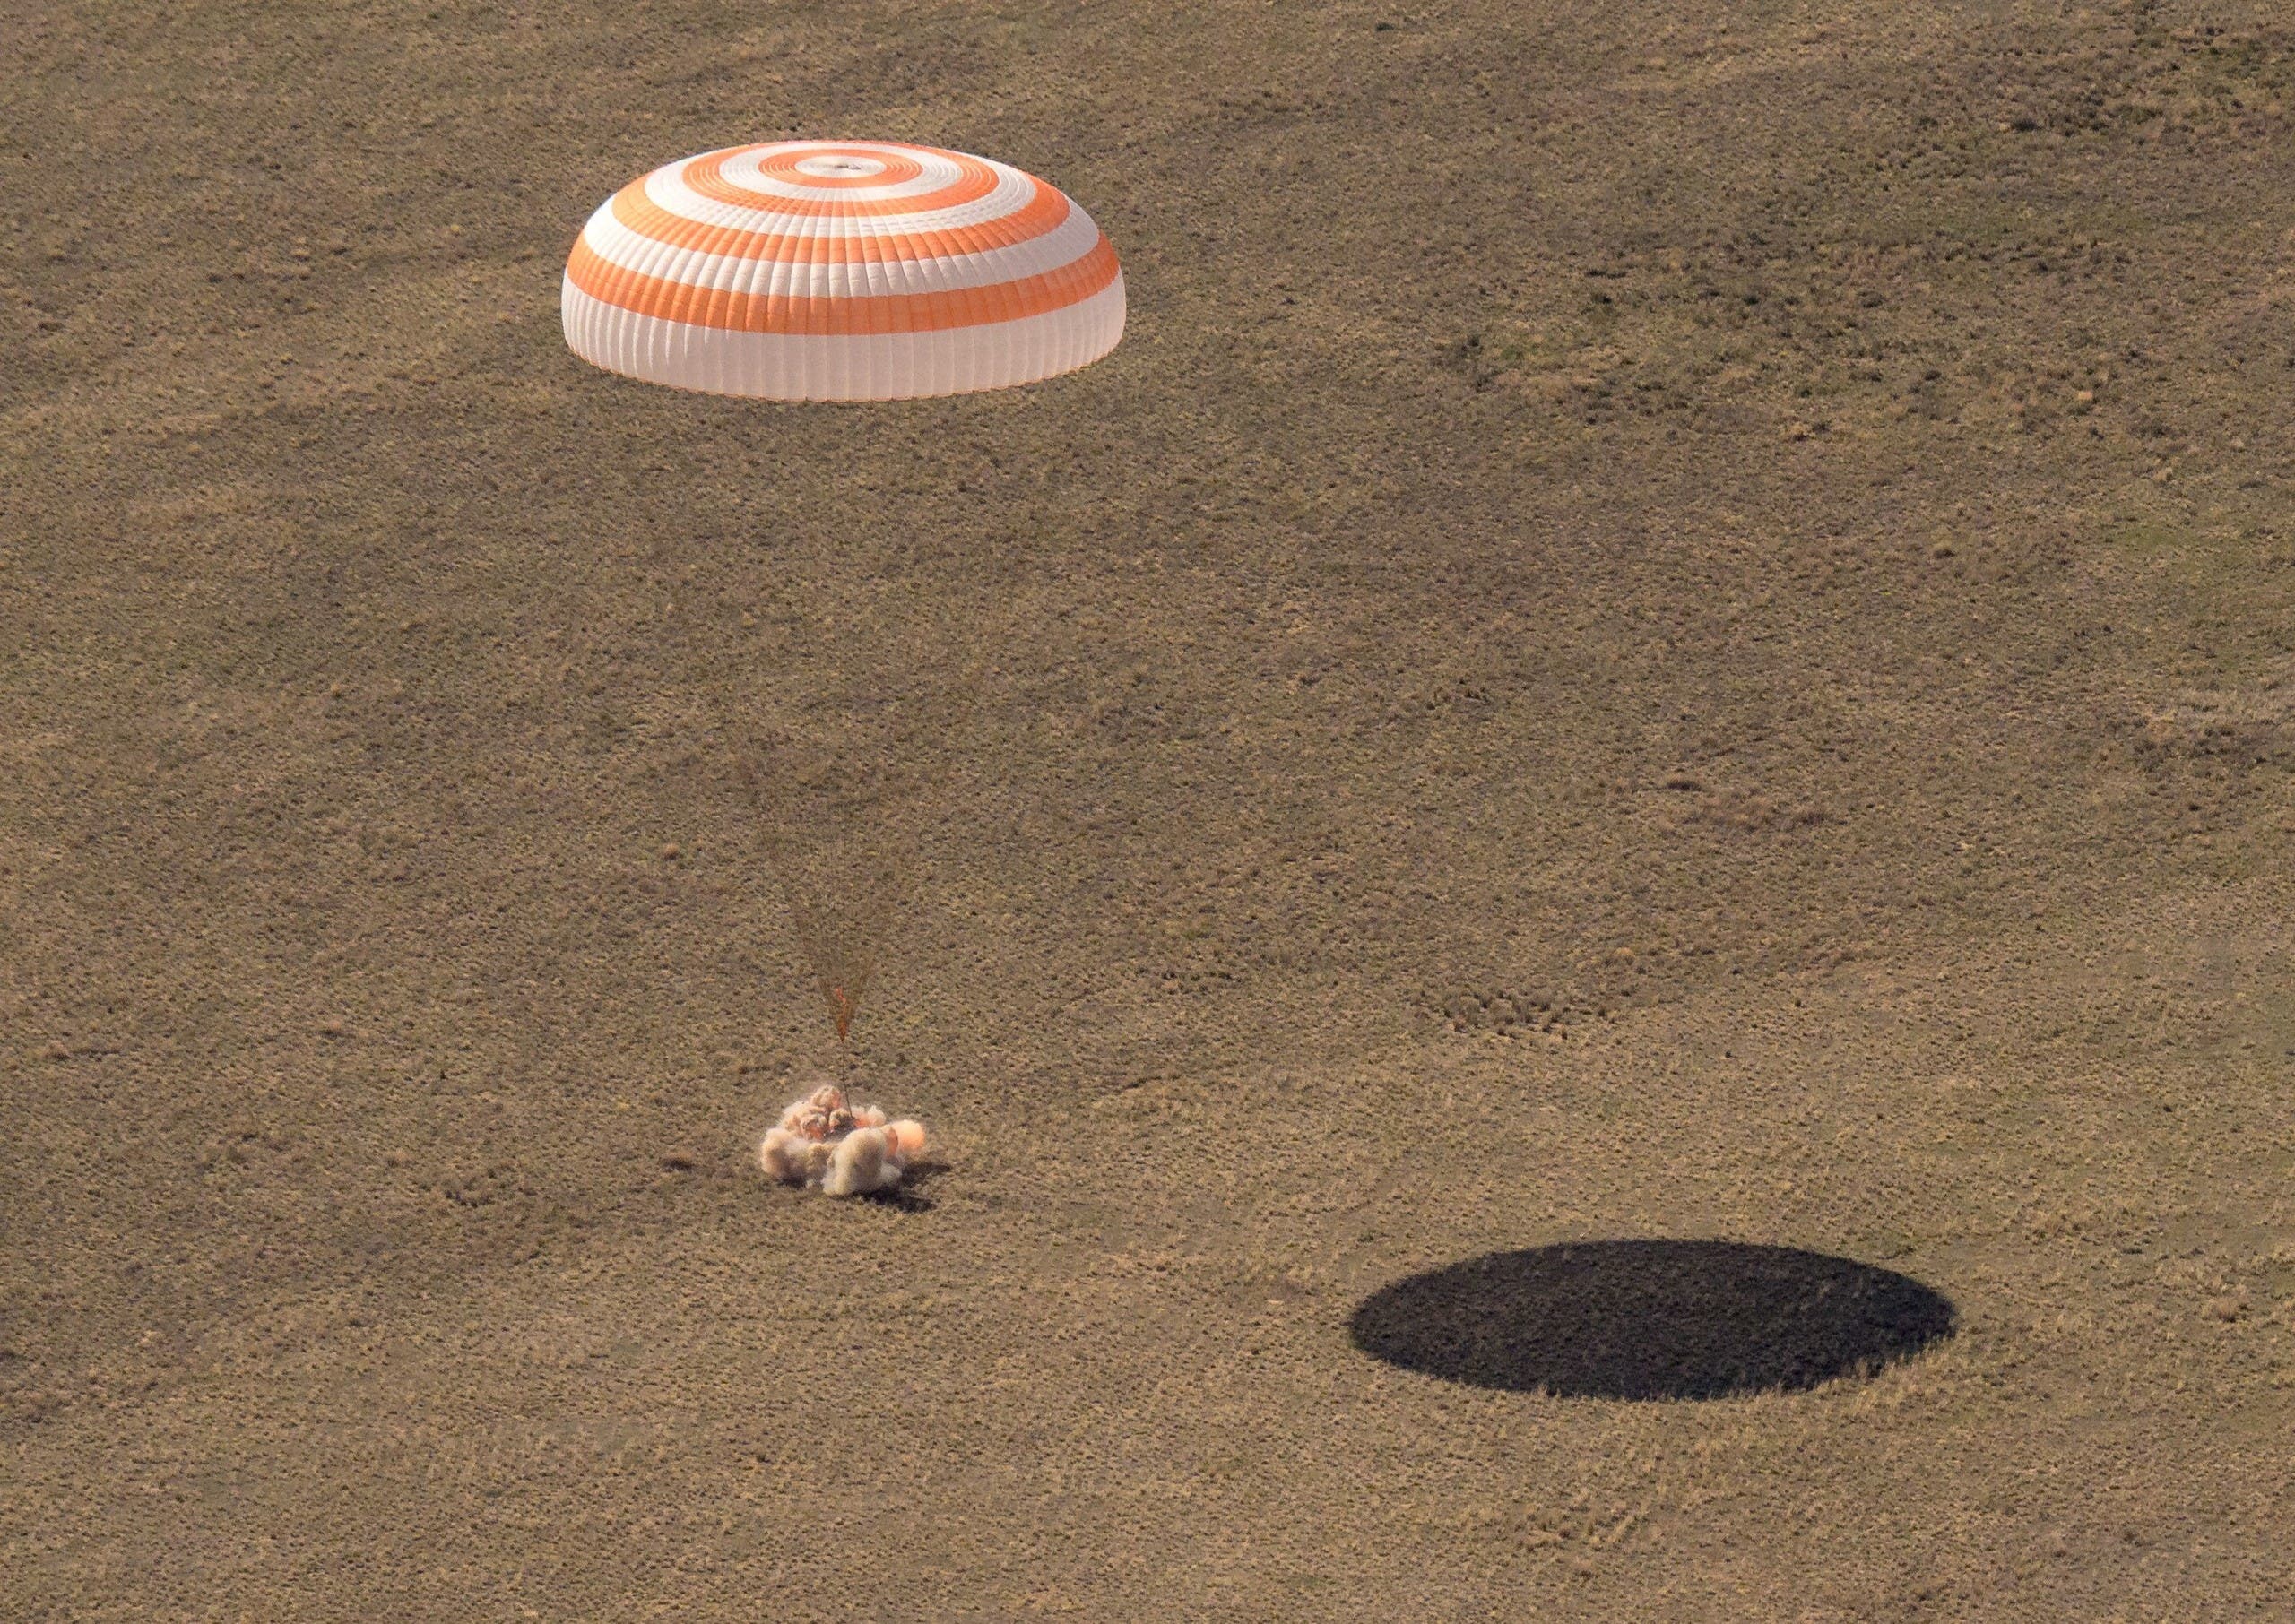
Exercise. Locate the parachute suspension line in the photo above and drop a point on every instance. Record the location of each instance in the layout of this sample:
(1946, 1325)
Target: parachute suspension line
(840, 832)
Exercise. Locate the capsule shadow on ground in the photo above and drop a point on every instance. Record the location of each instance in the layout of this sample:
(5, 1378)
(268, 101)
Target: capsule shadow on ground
(909, 1196)
(1644, 1319)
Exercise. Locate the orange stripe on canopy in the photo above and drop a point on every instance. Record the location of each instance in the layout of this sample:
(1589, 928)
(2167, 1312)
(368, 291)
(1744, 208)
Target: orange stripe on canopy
(640, 214)
(721, 308)
(975, 180)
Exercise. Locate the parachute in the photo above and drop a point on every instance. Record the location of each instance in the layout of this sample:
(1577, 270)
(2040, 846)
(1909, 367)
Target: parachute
(841, 271)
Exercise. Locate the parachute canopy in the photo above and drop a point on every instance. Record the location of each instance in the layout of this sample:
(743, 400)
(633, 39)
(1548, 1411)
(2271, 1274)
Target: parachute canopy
(841, 271)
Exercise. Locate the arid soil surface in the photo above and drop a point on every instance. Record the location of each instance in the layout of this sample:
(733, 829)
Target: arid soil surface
(1673, 623)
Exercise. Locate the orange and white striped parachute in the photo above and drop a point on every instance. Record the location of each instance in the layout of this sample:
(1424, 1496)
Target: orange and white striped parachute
(841, 271)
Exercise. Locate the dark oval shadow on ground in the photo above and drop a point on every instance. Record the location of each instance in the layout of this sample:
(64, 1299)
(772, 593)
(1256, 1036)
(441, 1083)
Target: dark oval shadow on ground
(1646, 1319)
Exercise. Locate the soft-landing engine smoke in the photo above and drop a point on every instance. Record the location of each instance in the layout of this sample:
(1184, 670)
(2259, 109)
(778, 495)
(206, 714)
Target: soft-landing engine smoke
(842, 1149)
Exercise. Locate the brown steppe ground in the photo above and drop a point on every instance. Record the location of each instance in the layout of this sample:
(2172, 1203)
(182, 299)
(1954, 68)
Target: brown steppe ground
(1672, 621)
